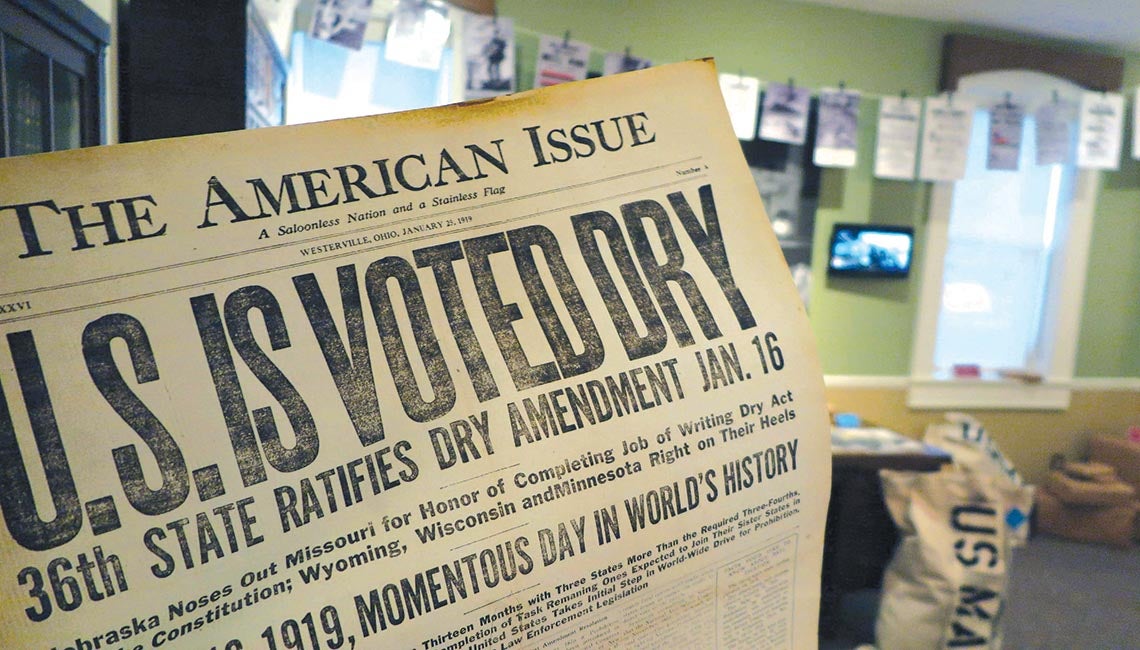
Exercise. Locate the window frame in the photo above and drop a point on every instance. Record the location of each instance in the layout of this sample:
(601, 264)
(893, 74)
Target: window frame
(70, 35)
(1065, 297)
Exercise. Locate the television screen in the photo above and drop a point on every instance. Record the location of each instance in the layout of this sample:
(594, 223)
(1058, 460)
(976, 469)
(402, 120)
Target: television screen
(866, 250)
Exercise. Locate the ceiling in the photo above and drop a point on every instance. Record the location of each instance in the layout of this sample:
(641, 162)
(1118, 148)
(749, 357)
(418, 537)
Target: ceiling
(1106, 22)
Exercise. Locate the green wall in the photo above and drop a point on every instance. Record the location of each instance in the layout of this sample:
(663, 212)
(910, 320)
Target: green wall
(863, 328)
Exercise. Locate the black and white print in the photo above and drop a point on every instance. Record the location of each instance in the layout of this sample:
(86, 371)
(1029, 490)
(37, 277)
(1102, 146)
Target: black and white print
(836, 140)
(742, 98)
(341, 22)
(489, 52)
(896, 144)
(417, 32)
(1054, 132)
(560, 60)
(1006, 121)
(785, 114)
(623, 62)
(1102, 122)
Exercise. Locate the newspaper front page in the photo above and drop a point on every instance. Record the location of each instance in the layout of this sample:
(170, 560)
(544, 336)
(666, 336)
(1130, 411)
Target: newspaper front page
(525, 373)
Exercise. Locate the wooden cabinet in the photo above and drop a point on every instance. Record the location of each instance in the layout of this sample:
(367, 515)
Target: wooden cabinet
(191, 68)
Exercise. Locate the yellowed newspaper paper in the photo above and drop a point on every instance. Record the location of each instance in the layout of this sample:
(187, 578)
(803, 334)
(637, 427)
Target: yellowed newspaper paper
(526, 373)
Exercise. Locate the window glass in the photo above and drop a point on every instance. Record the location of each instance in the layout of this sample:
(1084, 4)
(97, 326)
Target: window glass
(1003, 230)
(329, 81)
(26, 96)
(66, 102)
(50, 76)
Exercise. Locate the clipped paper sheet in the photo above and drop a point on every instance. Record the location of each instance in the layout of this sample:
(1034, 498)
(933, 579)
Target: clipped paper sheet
(785, 114)
(946, 124)
(837, 130)
(742, 97)
(560, 60)
(1136, 125)
(896, 143)
(1006, 123)
(1054, 123)
(1101, 130)
(489, 44)
(616, 62)
(341, 22)
(417, 32)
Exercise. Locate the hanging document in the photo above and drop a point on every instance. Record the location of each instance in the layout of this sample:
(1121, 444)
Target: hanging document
(1101, 126)
(1135, 125)
(524, 373)
(896, 144)
(489, 51)
(616, 62)
(1006, 121)
(837, 129)
(785, 114)
(1054, 132)
(560, 60)
(417, 32)
(742, 97)
(946, 125)
(342, 22)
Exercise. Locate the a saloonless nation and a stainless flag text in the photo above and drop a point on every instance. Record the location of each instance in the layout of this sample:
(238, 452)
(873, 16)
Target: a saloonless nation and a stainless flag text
(525, 373)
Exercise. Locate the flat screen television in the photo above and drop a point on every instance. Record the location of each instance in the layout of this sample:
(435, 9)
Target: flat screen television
(864, 250)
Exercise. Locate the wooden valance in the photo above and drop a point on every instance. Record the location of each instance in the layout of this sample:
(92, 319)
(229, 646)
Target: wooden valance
(964, 55)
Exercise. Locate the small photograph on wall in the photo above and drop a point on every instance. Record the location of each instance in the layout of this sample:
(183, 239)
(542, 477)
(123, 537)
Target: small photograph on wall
(1101, 130)
(742, 98)
(623, 62)
(560, 60)
(784, 117)
(946, 126)
(1136, 125)
(1054, 132)
(417, 33)
(896, 138)
(489, 52)
(341, 22)
(1006, 120)
(837, 128)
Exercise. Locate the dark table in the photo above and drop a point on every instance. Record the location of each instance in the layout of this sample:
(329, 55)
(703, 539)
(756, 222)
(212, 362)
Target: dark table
(860, 536)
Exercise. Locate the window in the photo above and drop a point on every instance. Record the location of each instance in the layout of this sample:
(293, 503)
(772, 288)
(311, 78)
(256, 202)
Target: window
(329, 81)
(1004, 269)
(50, 76)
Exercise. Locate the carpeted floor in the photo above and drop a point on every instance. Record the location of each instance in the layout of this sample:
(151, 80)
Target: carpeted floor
(1061, 595)
(1071, 595)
